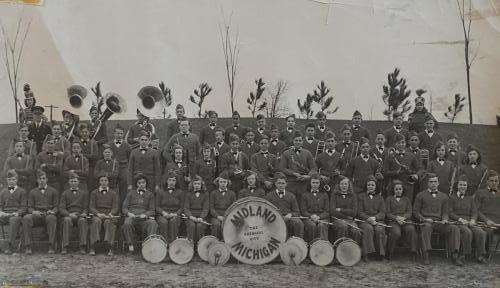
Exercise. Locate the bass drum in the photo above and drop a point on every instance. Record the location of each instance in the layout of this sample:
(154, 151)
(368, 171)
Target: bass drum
(347, 251)
(294, 251)
(254, 230)
(154, 248)
(321, 252)
(204, 245)
(218, 254)
(181, 250)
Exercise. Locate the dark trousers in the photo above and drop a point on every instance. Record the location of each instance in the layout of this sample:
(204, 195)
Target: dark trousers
(450, 231)
(67, 225)
(145, 225)
(410, 233)
(96, 225)
(122, 183)
(315, 229)
(216, 228)
(343, 230)
(169, 227)
(296, 187)
(492, 239)
(296, 227)
(14, 223)
(373, 235)
(31, 220)
(468, 233)
(195, 230)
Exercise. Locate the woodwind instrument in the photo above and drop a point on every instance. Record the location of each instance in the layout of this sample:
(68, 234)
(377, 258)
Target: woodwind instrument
(376, 223)
(347, 223)
(482, 179)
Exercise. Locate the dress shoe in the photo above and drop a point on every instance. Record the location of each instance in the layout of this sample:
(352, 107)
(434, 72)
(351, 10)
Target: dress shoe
(28, 251)
(131, 248)
(92, 252)
(426, 260)
(82, 250)
(364, 258)
(51, 251)
(482, 260)
(8, 251)
(64, 251)
(110, 253)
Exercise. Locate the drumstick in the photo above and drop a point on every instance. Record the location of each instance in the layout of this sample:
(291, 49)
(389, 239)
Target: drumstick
(298, 217)
(183, 216)
(347, 223)
(377, 223)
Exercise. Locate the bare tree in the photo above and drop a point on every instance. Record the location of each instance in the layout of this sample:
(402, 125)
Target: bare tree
(276, 107)
(203, 90)
(456, 108)
(466, 21)
(255, 100)
(231, 49)
(13, 52)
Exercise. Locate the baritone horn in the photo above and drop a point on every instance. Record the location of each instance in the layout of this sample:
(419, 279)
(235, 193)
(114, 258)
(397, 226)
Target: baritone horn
(151, 101)
(114, 105)
(76, 94)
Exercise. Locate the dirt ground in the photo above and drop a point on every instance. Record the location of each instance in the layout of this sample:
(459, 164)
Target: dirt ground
(132, 271)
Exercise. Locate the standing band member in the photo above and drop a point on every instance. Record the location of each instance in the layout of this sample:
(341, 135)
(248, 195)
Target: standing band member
(343, 210)
(144, 161)
(61, 144)
(264, 163)
(38, 130)
(329, 163)
(347, 148)
(315, 206)
(287, 135)
(97, 128)
(358, 131)
(91, 151)
(26, 113)
(179, 166)
(173, 126)
(310, 143)
(220, 199)
(140, 128)
(121, 151)
(169, 207)
(109, 166)
(488, 205)
(234, 163)
(418, 117)
(453, 151)
(196, 208)
(78, 164)
(320, 128)
(189, 141)
(442, 167)
(474, 170)
(276, 146)
(362, 166)
(22, 136)
(235, 128)
(207, 134)
(261, 130)
(206, 168)
(249, 146)
(51, 162)
(23, 164)
(429, 137)
(397, 128)
(70, 129)
(13, 206)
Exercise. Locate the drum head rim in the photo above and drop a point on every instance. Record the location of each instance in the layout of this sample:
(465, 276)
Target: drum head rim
(312, 250)
(158, 255)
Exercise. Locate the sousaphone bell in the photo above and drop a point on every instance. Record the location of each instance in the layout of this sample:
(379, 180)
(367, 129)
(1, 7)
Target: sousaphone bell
(151, 101)
(76, 94)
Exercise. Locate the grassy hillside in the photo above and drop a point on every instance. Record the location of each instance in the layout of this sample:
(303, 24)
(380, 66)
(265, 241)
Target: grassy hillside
(486, 137)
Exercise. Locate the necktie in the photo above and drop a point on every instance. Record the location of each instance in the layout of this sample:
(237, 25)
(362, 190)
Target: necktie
(462, 195)
(434, 194)
(208, 162)
(74, 191)
(310, 139)
(453, 151)
(274, 141)
(197, 194)
(103, 191)
(212, 125)
(42, 190)
(281, 194)
(185, 135)
(401, 154)
(356, 127)
(344, 195)
(170, 189)
(398, 198)
(430, 131)
(329, 151)
(11, 189)
(297, 150)
(19, 155)
(321, 128)
(141, 191)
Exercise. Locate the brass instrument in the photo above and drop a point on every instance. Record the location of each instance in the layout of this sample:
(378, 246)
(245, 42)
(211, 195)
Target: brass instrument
(325, 187)
(152, 102)
(424, 157)
(452, 182)
(482, 179)
(319, 148)
(411, 178)
(76, 95)
(301, 167)
(114, 105)
(354, 153)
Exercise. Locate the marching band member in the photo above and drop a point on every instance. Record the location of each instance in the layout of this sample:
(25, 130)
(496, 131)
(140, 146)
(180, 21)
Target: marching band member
(462, 208)
(315, 206)
(207, 134)
(310, 143)
(189, 141)
(38, 130)
(69, 125)
(265, 164)
(414, 147)
(287, 205)
(42, 210)
(169, 207)
(261, 130)
(320, 127)
(23, 165)
(402, 166)
(442, 167)
(100, 136)
(429, 137)
(121, 151)
(297, 164)
(417, 118)
(144, 161)
(488, 206)
(22, 136)
(250, 147)
(371, 210)
(276, 146)
(220, 199)
(26, 113)
(397, 128)
(109, 166)
(235, 128)
(288, 134)
(61, 144)
(205, 168)
(343, 209)
(51, 162)
(358, 131)
(104, 206)
(251, 188)
(73, 207)
(347, 147)
(90, 150)
(78, 164)
(363, 166)
(139, 207)
(379, 151)
(196, 208)
(453, 151)
(139, 128)
(330, 164)
(179, 167)
(234, 163)
(474, 170)
(399, 211)
(173, 126)
(431, 209)
(13, 206)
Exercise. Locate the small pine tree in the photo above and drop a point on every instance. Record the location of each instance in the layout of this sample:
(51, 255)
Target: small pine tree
(255, 101)
(306, 107)
(320, 97)
(456, 108)
(203, 90)
(396, 95)
(167, 94)
(99, 98)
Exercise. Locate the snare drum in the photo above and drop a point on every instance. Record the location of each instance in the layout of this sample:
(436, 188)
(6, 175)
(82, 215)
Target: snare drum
(154, 248)
(204, 245)
(218, 254)
(347, 251)
(321, 252)
(181, 250)
(294, 251)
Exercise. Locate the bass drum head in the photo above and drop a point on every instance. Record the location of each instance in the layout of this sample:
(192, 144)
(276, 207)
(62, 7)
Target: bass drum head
(321, 252)
(294, 251)
(218, 254)
(204, 244)
(181, 251)
(254, 230)
(347, 252)
(154, 249)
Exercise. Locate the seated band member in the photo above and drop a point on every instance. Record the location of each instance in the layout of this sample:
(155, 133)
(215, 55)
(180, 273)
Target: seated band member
(462, 208)
(488, 205)
(139, 207)
(315, 206)
(287, 205)
(42, 210)
(343, 210)
(169, 207)
(474, 169)
(23, 164)
(431, 208)
(220, 199)
(196, 208)
(264, 163)
(371, 210)
(399, 211)
(13, 206)
(104, 207)
(251, 188)
(206, 168)
(73, 208)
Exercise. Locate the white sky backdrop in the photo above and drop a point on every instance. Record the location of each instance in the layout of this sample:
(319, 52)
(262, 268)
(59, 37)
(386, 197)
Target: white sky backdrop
(351, 45)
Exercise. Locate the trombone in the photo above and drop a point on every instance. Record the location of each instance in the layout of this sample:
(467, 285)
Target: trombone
(319, 148)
